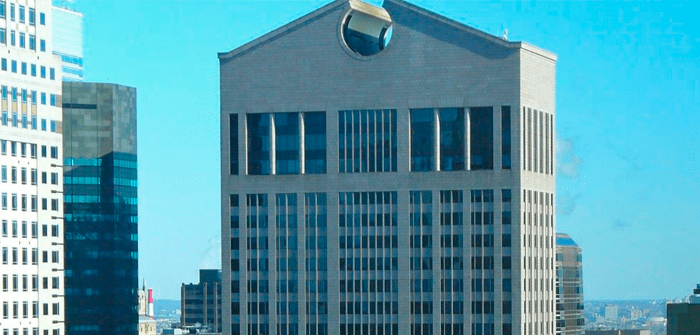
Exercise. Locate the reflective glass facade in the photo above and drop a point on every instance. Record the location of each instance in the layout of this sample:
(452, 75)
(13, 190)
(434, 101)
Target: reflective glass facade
(101, 209)
(67, 33)
(367, 140)
(481, 130)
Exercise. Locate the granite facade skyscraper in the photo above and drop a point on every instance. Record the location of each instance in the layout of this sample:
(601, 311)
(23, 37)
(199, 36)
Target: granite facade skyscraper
(387, 171)
(31, 206)
(570, 311)
(101, 208)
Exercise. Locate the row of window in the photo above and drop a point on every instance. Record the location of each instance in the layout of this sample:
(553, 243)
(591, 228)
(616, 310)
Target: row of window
(24, 178)
(24, 203)
(367, 141)
(27, 69)
(22, 13)
(20, 148)
(15, 228)
(15, 259)
(26, 123)
(55, 310)
(21, 39)
(55, 283)
(25, 331)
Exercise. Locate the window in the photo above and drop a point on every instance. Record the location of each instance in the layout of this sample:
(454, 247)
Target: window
(505, 138)
(54, 152)
(12, 11)
(42, 19)
(422, 139)
(42, 72)
(22, 40)
(13, 65)
(33, 74)
(452, 139)
(481, 142)
(32, 42)
(4, 68)
(54, 178)
(2, 8)
(54, 204)
(287, 143)
(21, 14)
(3, 39)
(12, 38)
(32, 16)
(258, 144)
(54, 256)
(52, 100)
(52, 74)
(42, 45)
(315, 142)
(233, 144)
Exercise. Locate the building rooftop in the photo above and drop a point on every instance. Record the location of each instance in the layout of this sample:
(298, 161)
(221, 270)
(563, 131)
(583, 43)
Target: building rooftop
(565, 240)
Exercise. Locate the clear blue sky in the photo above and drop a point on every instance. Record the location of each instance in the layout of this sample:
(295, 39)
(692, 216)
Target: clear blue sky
(628, 93)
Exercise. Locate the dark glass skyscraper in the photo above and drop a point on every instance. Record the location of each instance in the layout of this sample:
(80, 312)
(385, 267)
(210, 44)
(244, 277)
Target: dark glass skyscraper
(101, 209)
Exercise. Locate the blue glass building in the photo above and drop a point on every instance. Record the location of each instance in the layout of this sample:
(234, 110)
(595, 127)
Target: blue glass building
(101, 209)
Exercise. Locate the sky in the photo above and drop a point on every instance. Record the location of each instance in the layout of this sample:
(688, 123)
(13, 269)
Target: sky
(628, 184)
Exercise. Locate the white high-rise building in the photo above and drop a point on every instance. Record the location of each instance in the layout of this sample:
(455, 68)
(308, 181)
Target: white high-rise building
(385, 171)
(31, 183)
(67, 30)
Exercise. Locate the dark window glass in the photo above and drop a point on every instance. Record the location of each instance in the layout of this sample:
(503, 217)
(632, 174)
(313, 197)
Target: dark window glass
(452, 139)
(505, 138)
(233, 144)
(315, 142)
(258, 144)
(422, 139)
(481, 131)
(287, 143)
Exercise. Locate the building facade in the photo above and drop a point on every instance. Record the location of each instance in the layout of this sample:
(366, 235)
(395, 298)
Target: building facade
(387, 171)
(31, 206)
(101, 208)
(684, 318)
(67, 32)
(570, 309)
(201, 303)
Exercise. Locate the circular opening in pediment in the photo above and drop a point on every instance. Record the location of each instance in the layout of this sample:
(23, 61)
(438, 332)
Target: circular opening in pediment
(367, 34)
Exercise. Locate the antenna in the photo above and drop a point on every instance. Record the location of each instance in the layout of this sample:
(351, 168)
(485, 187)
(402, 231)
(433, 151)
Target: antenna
(505, 34)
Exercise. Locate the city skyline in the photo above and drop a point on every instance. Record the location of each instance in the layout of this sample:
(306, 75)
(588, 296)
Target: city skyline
(591, 158)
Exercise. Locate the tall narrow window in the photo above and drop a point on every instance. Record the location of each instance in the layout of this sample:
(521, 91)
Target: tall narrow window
(315, 142)
(367, 140)
(422, 139)
(481, 131)
(258, 144)
(287, 143)
(452, 139)
(233, 143)
(505, 138)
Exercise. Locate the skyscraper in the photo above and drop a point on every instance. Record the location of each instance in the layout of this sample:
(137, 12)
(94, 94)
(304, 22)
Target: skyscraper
(570, 311)
(387, 171)
(201, 303)
(31, 206)
(101, 208)
(67, 32)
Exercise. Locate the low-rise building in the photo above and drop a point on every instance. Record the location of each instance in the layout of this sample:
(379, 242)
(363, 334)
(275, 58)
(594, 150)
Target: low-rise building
(684, 318)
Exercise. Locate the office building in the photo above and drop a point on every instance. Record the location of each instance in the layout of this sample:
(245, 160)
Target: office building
(570, 311)
(31, 205)
(684, 318)
(201, 303)
(387, 171)
(101, 209)
(67, 32)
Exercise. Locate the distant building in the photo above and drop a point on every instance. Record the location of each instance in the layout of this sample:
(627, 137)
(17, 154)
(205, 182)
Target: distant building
(101, 209)
(611, 312)
(201, 303)
(570, 311)
(147, 325)
(619, 332)
(684, 318)
(67, 32)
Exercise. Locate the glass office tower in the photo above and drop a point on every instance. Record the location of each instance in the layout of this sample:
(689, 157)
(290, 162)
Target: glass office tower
(101, 208)
(379, 183)
(570, 311)
(67, 31)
